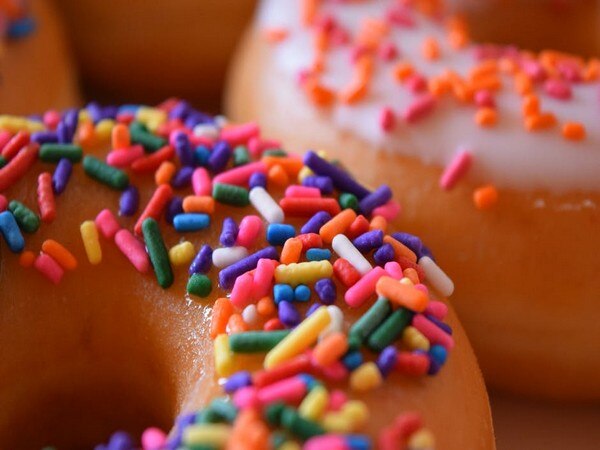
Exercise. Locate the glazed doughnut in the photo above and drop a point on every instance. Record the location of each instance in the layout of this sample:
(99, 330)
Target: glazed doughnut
(36, 69)
(193, 41)
(498, 147)
(103, 329)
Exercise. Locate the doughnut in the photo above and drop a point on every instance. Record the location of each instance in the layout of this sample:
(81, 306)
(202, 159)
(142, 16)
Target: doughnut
(35, 65)
(497, 146)
(159, 265)
(179, 47)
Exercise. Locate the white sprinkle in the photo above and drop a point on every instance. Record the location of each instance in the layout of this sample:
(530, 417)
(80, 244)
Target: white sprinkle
(436, 276)
(266, 206)
(226, 256)
(346, 249)
(206, 130)
(250, 315)
(337, 322)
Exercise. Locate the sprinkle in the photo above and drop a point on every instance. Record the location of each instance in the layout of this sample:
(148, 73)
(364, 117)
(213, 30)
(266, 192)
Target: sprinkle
(486, 117)
(105, 174)
(45, 196)
(229, 232)
(389, 330)
(198, 204)
(18, 166)
(263, 278)
(249, 230)
(222, 310)
(288, 314)
(318, 254)
(387, 119)
(402, 294)
(201, 182)
(129, 201)
(326, 291)
(419, 108)
(155, 206)
(91, 243)
(199, 285)
(278, 233)
(291, 252)
(48, 267)
(314, 224)
(389, 211)
(226, 256)
(157, 252)
(107, 224)
(360, 292)
(458, 167)
(11, 233)
(53, 153)
(345, 249)
(303, 273)
(266, 206)
(323, 183)
(485, 197)
(256, 341)
(230, 194)
(283, 292)
(28, 221)
(574, 131)
(228, 275)
(241, 294)
(240, 176)
(366, 378)
(164, 173)
(345, 272)
(302, 191)
(337, 225)
(341, 179)
(60, 254)
(432, 332)
(379, 197)
(133, 249)
(202, 262)
(436, 276)
(61, 175)
(182, 253)
(558, 89)
(257, 179)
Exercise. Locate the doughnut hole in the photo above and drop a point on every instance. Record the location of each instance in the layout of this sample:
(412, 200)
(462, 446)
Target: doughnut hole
(569, 26)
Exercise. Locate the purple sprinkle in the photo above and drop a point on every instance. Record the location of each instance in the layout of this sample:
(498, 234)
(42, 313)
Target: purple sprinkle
(314, 224)
(44, 137)
(174, 207)
(380, 196)
(258, 179)
(324, 184)
(62, 133)
(387, 360)
(326, 291)
(196, 118)
(443, 325)
(228, 275)
(411, 241)
(237, 380)
(184, 149)
(229, 232)
(341, 180)
(129, 201)
(183, 177)
(202, 261)
(312, 309)
(180, 111)
(368, 241)
(120, 441)
(219, 157)
(61, 175)
(384, 254)
(288, 314)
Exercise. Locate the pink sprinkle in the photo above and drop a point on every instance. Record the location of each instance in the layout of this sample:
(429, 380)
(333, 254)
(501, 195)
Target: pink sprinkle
(296, 190)
(241, 294)
(48, 267)
(339, 37)
(456, 170)
(256, 146)
(153, 439)
(387, 119)
(51, 119)
(485, 99)
(328, 441)
(388, 51)
(364, 288)
(107, 223)
(358, 51)
(3, 203)
(5, 137)
(534, 70)
(570, 71)
(400, 15)
(437, 309)
(250, 228)
(394, 270)
(290, 390)
(134, 250)
(421, 287)
(240, 175)
(389, 211)
(416, 83)
(201, 182)
(558, 89)
(240, 134)
(124, 157)
(246, 397)
(337, 399)
(263, 278)
(420, 108)
(334, 372)
(432, 332)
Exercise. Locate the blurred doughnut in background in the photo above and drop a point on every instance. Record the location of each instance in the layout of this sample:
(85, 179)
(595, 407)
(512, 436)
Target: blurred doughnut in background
(148, 50)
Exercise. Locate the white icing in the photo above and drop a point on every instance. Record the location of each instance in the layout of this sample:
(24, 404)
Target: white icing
(506, 154)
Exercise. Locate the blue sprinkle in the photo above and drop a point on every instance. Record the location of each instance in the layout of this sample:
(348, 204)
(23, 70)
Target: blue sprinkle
(191, 222)
(11, 232)
(438, 354)
(201, 155)
(302, 293)
(21, 27)
(352, 360)
(278, 233)
(309, 381)
(358, 442)
(318, 254)
(283, 292)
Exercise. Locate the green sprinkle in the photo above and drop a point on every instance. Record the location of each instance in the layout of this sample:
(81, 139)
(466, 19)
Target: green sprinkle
(230, 194)
(371, 319)
(354, 342)
(206, 415)
(139, 134)
(105, 174)
(299, 426)
(53, 153)
(389, 330)
(240, 155)
(158, 252)
(273, 413)
(2, 161)
(199, 285)
(224, 409)
(348, 200)
(256, 341)
(278, 439)
(277, 152)
(27, 220)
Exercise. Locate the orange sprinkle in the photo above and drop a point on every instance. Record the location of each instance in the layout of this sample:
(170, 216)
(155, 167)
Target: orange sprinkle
(236, 324)
(318, 94)
(291, 165)
(539, 122)
(378, 223)
(531, 105)
(485, 197)
(278, 177)
(164, 173)
(574, 131)
(308, 11)
(87, 134)
(371, 33)
(291, 252)
(403, 70)
(400, 250)
(592, 70)
(354, 92)
(221, 312)
(330, 349)
(60, 254)
(438, 86)
(431, 49)
(275, 35)
(199, 204)
(401, 294)
(523, 84)
(412, 275)
(338, 224)
(27, 258)
(265, 306)
(120, 136)
(486, 117)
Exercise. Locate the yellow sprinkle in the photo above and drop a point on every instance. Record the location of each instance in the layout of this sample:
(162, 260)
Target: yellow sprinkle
(84, 115)
(357, 413)
(289, 445)
(303, 273)
(151, 117)
(414, 339)
(421, 440)
(89, 236)
(18, 123)
(182, 253)
(104, 129)
(366, 377)
(224, 357)
(407, 281)
(304, 172)
(301, 338)
(314, 404)
(336, 422)
(213, 435)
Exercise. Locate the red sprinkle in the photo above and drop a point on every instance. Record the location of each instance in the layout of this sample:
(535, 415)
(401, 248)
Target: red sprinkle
(45, 196)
